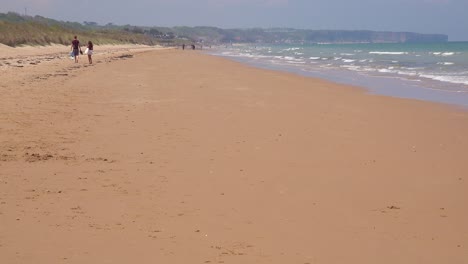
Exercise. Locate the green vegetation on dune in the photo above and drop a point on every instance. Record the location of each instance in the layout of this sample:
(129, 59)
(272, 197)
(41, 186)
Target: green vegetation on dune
(18, 30)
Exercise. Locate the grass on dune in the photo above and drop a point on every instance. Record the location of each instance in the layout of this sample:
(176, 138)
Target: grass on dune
(33, 32)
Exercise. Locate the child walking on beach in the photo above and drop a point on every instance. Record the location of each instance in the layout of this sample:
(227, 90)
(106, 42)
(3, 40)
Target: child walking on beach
(90, 52)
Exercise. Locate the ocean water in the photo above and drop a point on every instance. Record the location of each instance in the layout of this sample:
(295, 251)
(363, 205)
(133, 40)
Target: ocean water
(431, 71)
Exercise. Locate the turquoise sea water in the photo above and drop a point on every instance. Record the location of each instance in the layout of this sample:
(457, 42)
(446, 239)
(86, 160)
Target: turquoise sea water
(430, 71)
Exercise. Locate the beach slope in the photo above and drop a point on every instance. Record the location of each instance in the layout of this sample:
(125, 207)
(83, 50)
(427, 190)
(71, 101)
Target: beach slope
(180, 157)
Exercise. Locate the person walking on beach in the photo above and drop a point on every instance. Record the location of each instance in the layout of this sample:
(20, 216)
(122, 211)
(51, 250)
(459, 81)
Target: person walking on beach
(90, 52)
(75, 48)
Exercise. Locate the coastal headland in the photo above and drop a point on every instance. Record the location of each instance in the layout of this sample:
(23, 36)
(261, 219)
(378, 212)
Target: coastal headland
(170, 156)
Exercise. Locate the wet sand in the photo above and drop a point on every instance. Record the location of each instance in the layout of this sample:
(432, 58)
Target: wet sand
(179, 157)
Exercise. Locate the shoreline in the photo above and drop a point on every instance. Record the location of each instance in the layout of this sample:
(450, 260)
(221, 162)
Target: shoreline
(394, 85)
(376, 85)
(179, 156)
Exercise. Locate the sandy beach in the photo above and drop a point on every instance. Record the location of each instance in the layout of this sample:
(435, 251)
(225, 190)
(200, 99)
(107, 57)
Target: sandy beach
(171, 156)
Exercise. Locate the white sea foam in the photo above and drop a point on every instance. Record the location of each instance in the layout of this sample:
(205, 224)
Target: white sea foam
(413, 68)
(445, 63)
(407, 73)
(347, 54)
(358, 68)
(387, 53)
(291, 49)
(293, 60)
(447, 78)
(314, 58)
(368, 69)
(447, 53)
(347, 61)
(352, 67)
(296, 62)
(244, 55)
(385, 71)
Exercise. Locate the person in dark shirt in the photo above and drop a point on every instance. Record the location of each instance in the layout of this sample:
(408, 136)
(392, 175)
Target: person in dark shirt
(90, 52)
(75, 48)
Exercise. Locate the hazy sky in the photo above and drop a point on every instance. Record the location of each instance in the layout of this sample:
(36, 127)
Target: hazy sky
(423, 16)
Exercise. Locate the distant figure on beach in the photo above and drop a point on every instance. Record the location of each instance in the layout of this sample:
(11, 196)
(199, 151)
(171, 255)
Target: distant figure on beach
(183, 46)
(90, 52)
(193, 47)
(75, 47)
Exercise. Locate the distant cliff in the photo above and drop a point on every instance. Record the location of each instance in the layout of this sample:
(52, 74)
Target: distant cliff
(288, 35)
(304, 36)
(340, 36)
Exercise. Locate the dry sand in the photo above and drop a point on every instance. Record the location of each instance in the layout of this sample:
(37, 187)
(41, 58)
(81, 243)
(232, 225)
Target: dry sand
(180, 157)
